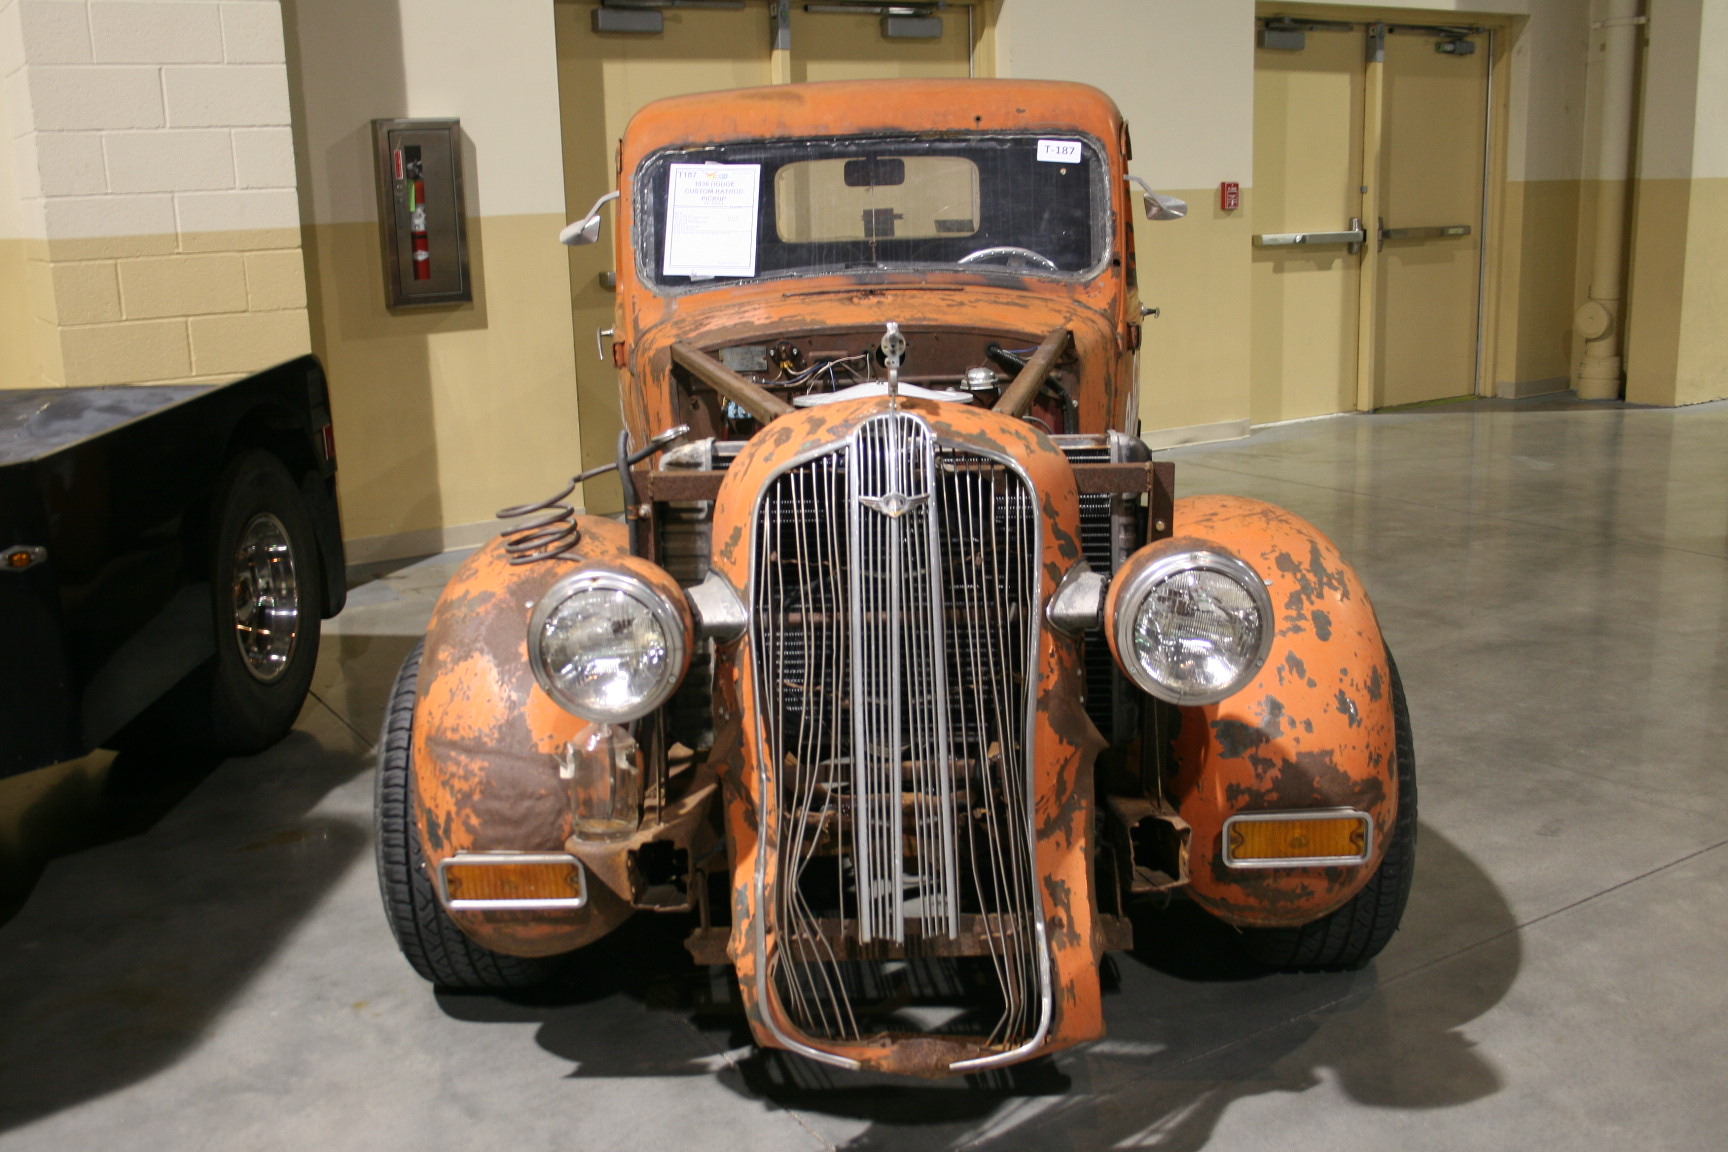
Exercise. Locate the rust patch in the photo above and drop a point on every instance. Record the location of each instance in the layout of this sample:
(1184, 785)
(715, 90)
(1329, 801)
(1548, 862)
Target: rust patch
(1062, 921)
(1322, 625)
(1067, 544)
(1236, 739)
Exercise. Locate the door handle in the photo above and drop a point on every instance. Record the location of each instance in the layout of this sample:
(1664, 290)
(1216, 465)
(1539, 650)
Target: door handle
(1355, 237)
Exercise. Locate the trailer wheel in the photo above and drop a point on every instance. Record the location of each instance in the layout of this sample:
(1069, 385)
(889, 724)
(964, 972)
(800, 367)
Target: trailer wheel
(1351, 936)
(266, 592)
(267, 584)
(428, 937)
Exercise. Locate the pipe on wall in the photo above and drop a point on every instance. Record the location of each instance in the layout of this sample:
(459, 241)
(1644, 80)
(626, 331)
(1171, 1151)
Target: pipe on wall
(1601, 318)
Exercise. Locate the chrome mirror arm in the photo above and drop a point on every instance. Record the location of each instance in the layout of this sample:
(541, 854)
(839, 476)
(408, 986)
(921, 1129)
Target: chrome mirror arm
(587, 229)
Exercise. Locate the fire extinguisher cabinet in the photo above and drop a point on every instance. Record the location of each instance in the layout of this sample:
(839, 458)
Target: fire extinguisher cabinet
(420, 208)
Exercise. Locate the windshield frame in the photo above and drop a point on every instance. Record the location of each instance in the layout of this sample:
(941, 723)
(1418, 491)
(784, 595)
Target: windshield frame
(648, 208)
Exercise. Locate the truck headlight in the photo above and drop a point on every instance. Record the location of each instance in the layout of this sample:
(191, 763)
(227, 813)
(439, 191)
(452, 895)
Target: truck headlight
(1189, 622)
(609, 644)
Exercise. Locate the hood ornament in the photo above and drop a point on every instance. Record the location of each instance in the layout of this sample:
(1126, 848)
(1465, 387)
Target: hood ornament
(893, 351)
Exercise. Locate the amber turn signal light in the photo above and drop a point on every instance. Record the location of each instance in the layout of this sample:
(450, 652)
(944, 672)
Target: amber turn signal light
(1282, 840)
(23, 556)
(505, 880)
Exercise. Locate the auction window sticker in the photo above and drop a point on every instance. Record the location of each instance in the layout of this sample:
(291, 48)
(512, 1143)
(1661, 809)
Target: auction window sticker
(1059, 151)
(711, 219)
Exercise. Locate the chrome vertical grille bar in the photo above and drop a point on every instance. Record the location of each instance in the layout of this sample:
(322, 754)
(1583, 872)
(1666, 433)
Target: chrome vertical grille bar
(901, 763)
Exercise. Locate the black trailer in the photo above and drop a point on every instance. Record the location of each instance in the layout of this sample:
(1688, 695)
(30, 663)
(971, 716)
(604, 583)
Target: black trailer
(166, 555)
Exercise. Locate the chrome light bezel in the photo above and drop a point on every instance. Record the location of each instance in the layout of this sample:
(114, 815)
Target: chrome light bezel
(664, 613)
(527, 904)
(1368, 838)
(1148, 576)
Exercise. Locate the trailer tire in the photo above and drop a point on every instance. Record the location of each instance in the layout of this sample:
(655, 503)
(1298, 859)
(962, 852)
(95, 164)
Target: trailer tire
(1351, 936)
(266, 600)
(263, 532)
(430, 940)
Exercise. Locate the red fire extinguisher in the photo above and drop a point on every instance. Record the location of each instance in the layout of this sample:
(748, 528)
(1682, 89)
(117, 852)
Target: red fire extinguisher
(414, 174)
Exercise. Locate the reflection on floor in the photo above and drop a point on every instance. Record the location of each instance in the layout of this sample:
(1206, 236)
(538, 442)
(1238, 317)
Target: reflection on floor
(206, 964)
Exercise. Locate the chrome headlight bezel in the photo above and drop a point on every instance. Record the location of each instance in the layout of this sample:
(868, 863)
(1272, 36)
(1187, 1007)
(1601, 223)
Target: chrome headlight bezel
(671, 618)
(1172, 559)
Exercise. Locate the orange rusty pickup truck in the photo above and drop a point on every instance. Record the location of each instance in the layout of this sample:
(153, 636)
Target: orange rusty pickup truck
(904, 674)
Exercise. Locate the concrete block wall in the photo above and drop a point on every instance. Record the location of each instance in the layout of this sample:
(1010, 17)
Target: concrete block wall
(154, 174)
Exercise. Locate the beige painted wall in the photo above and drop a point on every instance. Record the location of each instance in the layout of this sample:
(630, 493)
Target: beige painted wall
(443, 413)
(1541, 207)
(1182, 72)
(446, 414)
(1676, 343)
(16, 361)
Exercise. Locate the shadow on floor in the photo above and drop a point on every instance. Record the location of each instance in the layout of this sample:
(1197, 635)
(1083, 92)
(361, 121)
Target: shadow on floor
(127, 952)
(84, 804)
(1193, 1027)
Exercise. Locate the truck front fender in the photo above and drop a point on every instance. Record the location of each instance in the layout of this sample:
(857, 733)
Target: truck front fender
(1313, 730)
(487, 741)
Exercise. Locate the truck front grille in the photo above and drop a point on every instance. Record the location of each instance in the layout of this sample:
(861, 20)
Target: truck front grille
(895, 609)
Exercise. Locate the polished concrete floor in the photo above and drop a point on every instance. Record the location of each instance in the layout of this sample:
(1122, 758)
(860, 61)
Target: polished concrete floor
(213, 970)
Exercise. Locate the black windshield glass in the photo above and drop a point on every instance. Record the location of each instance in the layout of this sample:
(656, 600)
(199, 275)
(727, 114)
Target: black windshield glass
(1028, 205)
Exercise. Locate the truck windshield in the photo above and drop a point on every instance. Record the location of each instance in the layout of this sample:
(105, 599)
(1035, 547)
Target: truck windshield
(1034, 205)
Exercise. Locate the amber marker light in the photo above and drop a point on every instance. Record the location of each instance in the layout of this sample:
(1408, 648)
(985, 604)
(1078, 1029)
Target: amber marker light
(1298, 839)
(483, 881)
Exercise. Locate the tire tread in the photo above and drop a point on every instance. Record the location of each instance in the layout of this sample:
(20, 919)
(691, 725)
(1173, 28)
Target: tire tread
(430, 940)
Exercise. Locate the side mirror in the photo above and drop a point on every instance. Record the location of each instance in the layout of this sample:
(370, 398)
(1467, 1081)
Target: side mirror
(587, 229)
(1158, 205)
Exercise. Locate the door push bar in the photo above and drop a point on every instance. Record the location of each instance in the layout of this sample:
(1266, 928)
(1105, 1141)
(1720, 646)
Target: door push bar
(1433, 232)
(1357, 235)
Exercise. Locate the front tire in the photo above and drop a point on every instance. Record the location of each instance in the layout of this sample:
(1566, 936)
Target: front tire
(1354, 934)
(428, 937)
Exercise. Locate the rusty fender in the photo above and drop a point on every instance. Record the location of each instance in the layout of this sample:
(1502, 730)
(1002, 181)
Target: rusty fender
(1065, 741)
(1313, 730)
(487, 740)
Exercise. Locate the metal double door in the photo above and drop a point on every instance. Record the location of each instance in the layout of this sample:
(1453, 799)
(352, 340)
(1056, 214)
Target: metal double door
(1370, 153)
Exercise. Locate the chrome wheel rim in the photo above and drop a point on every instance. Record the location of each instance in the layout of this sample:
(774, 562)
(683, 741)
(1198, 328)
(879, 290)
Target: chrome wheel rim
(266, 598)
